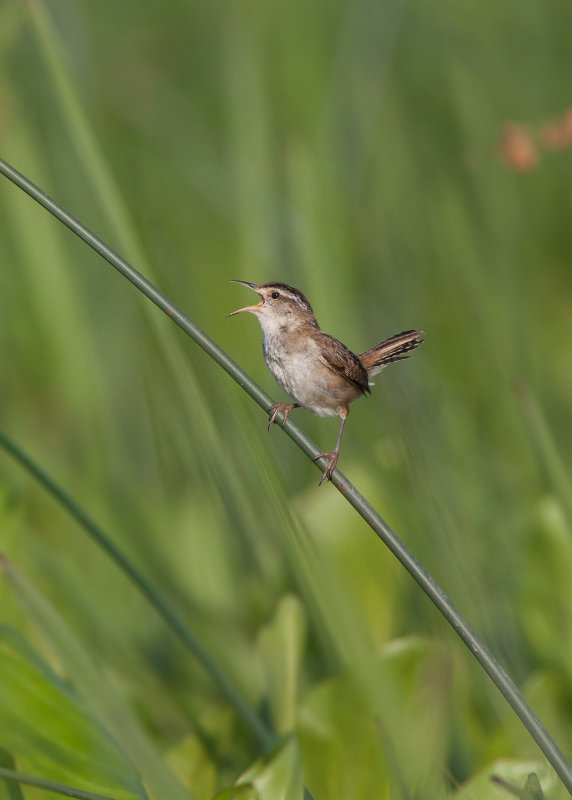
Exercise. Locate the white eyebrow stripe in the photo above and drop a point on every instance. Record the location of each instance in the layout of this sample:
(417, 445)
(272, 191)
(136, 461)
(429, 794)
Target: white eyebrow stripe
(296, 298)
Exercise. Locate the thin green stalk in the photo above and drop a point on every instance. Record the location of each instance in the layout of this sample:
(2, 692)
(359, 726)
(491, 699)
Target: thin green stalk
(49, 786)
(546, 449)
(459, 624)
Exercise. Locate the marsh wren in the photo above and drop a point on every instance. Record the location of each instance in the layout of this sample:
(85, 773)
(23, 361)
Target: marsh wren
(315, 369)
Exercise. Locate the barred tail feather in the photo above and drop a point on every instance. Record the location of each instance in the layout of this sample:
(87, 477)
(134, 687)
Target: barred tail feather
(393, 349)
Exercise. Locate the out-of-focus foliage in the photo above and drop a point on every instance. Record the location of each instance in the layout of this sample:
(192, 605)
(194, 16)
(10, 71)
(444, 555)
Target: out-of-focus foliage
(405, 164)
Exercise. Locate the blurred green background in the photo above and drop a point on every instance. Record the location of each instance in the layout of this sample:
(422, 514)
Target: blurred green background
(405, 164)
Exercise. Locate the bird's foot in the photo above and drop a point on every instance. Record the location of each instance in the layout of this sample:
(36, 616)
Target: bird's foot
(332, 461)
(277, 408)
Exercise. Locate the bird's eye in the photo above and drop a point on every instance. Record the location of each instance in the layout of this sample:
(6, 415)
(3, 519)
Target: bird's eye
(275, 295)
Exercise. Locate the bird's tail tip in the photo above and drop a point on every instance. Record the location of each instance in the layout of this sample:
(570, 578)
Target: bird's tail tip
(396, 348)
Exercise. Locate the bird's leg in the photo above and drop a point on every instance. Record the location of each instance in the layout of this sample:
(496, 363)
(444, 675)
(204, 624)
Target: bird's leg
(277, 408)
(333, 456)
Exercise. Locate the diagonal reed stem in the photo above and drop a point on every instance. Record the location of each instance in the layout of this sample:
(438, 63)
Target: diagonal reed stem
(492, 667)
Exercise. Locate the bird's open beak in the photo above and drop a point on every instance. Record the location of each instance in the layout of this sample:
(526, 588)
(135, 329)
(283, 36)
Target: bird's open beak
(252, 309)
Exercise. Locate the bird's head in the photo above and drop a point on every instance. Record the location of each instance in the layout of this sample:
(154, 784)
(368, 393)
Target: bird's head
(281, 307)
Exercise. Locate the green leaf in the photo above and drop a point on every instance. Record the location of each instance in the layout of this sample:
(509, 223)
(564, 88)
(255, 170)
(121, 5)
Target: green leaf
(341, 744)
(51, 733)
(279, 775)
(355, 744)
(281, 644)
(190, 760)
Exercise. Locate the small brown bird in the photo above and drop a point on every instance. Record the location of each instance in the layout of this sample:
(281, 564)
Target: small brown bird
(314, 368)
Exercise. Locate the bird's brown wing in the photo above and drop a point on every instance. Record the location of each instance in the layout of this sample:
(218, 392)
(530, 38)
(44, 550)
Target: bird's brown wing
(343, 362)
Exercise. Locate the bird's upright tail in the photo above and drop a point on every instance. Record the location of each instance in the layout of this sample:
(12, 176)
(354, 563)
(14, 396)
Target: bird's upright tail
(393, 349)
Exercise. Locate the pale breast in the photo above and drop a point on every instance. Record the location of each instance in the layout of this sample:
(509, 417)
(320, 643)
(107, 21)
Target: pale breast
(302, 374)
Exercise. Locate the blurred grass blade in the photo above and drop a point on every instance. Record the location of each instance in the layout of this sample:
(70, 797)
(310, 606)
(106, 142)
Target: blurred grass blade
(36, 682)
(163, 608)
(550, 460)
(156, 296)
(80, 134)
(49, 786)
(52, 730)
(105, 188)
(493, 668)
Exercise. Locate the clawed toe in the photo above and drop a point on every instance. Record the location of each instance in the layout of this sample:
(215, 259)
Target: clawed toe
(332, 461)
(273, 415)
(277, 408)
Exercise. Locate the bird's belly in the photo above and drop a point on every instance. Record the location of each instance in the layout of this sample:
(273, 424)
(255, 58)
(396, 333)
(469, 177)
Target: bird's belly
(309, 382)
